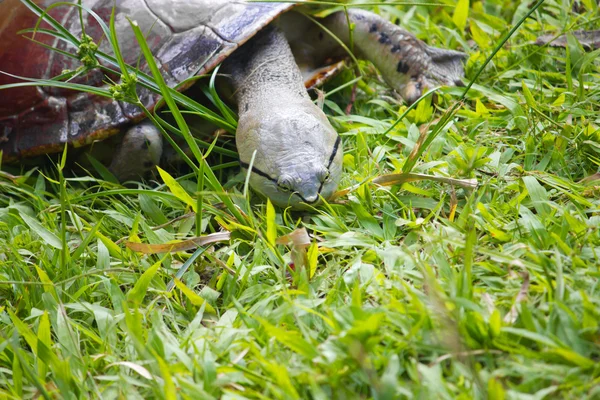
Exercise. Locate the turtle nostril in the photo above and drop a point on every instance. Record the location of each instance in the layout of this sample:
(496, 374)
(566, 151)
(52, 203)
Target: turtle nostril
(311, 199)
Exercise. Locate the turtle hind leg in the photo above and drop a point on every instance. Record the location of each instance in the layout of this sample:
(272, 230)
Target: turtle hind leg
(407, 64)
(446, 66)
(138, 153)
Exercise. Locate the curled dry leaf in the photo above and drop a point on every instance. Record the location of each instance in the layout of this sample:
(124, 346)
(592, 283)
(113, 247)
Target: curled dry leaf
(298, 238)
(136, 367)
(513, 314)
(591, 178)
(399, 179)
(184, 245)
(300, 242)
(10, 177)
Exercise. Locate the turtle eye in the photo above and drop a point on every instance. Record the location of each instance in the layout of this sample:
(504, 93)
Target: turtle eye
(285, 183)
(323, 175)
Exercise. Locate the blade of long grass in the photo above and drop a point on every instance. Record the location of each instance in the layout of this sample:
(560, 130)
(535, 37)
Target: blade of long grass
(165, 91)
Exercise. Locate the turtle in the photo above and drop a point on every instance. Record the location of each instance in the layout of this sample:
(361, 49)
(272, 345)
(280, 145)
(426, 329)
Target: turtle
(269, 53)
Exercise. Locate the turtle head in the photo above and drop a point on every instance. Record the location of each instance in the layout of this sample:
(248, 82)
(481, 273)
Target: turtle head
(297, 153)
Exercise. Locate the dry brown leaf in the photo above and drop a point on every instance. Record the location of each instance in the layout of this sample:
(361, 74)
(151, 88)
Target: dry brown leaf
(298, 238)
(184, 245)
(513, 314)
(591, 178)
(398, 179)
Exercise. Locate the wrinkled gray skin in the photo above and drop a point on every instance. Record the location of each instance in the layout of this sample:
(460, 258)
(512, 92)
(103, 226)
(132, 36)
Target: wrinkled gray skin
(294, 152)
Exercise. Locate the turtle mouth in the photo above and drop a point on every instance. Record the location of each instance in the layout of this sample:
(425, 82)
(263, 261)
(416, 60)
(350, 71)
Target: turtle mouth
(274, 181)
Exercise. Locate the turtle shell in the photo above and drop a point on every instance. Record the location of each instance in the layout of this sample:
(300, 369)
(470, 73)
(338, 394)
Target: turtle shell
(187, 37)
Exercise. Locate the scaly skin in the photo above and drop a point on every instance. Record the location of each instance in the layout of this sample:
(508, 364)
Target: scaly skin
(407, 64)
(297, 153)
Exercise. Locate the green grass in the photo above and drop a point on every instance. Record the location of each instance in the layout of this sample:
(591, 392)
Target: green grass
(421, 290)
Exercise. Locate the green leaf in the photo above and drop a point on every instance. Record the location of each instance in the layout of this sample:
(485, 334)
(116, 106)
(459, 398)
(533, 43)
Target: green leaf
(560, 100)
(495, 390)
(538, 195)
(528, 95)
(495, 323)
(113, 249)
(44, 336)
(182, 270)
(134, 321)
(574, 358)
(481, 109)
(536, 337)
(47, 236)
(367, 220)
(480, 36)
(65, 335)
(590, 5)
(169, 389)
(17, 376)
(86, 241)
(136, 295)
(193, 297)
(177, 189)
(150, 207)
(461, 13)
(102, 170)
(271, 223)
(466, 282)
(289, 338)
(38, 347)
(48, 284)
(312, 258)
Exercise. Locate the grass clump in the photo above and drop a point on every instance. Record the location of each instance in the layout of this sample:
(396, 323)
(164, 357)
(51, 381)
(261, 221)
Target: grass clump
(416, 290)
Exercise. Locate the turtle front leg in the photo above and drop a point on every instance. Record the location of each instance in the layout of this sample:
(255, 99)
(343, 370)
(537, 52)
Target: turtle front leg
(407, 64)
(139, 151)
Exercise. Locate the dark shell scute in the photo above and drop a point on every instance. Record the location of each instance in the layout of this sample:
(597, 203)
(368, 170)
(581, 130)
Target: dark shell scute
(146, 97)
(189, 54)
(238, 22)
(187, 37)
(92, 114)
(51, 114)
